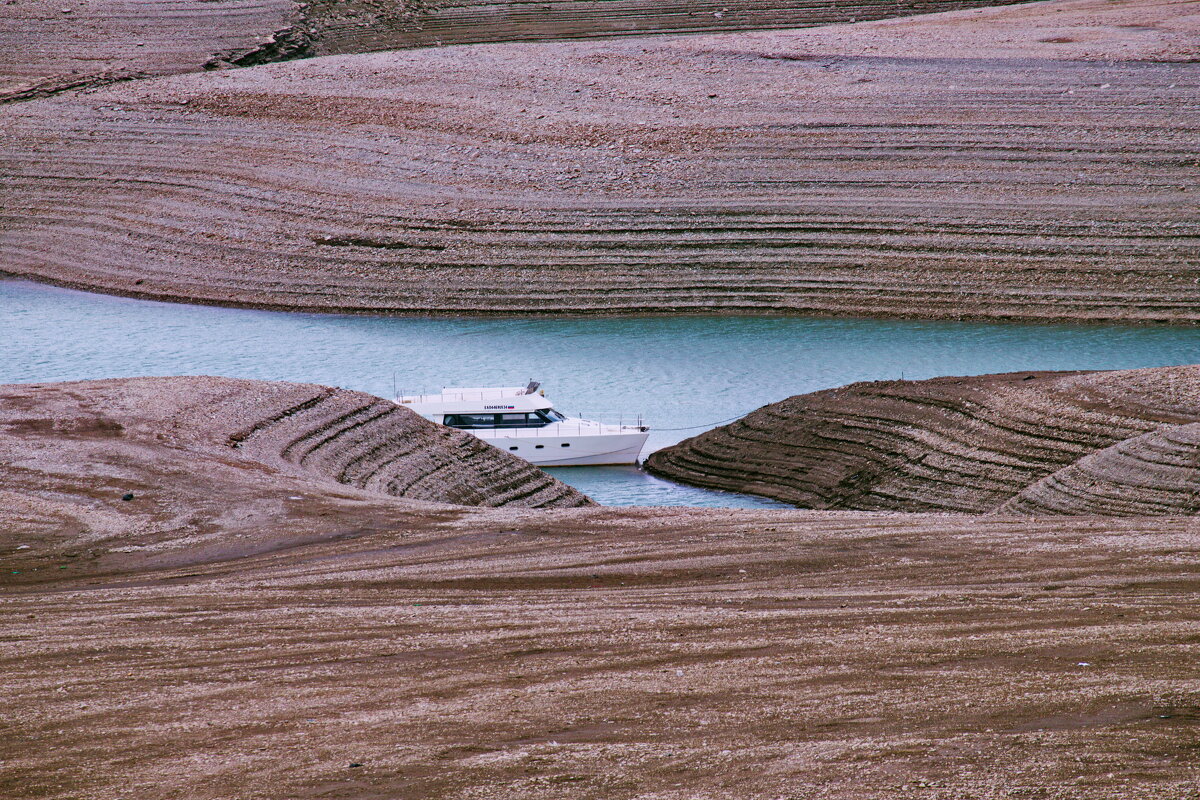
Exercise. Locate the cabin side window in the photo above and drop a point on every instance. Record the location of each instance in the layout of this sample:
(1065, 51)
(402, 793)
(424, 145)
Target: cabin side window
(489, 421)
(470, 421)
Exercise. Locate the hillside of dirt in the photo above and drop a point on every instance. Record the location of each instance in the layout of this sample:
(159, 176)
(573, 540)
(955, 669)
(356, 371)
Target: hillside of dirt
(1155, 473)
(602, 654)
(183, 617)
(166, 465)
(1032, 162)
(1118, 443)
(50, 47)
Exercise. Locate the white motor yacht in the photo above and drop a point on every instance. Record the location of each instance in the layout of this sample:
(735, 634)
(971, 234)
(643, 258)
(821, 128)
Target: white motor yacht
(520, 420)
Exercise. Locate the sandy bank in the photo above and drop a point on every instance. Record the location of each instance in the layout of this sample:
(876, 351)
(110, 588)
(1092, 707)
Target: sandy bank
(631, 654)
(50, 46)
(1026, 162)
(245, 626)
(1119, 443)
(209, 464)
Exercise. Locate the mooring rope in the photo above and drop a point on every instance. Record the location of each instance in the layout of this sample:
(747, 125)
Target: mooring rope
(707, 425)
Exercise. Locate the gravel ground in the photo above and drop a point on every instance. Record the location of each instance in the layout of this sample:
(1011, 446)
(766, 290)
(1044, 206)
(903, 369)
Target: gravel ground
(1108, 443)
(1032, 162)
(239, 628)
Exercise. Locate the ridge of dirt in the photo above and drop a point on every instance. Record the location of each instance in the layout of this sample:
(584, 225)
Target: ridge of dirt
(1101, 443)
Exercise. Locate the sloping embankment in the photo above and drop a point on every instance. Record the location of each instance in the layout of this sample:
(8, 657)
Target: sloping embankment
(244, 608)
(1155, 473)
(357, 27)
(208, 459)
(504, 654)
(48, 46)
(1045, 171)
(965, 444)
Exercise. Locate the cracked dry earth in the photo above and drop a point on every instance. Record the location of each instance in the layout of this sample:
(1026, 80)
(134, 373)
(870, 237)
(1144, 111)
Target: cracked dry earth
(250, 625)
(1031, 162)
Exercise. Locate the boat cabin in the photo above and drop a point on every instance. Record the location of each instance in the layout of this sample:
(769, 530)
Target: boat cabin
(485, 409)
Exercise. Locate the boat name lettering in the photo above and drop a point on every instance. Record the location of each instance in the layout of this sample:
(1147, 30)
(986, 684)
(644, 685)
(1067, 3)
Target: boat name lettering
(488, 408)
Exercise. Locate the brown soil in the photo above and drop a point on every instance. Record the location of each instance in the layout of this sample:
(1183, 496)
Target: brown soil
(1120, 443)
(51, 46)
(965, 165)
(244, 626)
(613, 654)
(1155, 473)
(183, 447)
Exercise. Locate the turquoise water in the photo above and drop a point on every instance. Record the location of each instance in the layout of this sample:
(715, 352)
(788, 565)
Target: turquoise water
(677, 372)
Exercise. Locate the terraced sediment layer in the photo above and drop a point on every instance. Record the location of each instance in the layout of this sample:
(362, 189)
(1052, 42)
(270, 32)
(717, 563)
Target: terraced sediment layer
(1155, 473)
(360, 646)
(50, 47)
(1025, 162)
(207, 458)
(964, 444)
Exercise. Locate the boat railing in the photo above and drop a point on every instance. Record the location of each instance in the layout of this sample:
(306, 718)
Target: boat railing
(620, 419)
(405, 398)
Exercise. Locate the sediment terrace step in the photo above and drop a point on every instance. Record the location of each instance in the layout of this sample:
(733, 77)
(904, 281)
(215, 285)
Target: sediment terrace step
(334, 436)
(1157, 473)
(355, 27)
(53, 46)
(1017, 442)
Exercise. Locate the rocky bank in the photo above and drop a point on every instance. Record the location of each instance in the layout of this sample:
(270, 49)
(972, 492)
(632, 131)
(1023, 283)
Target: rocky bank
(1031, 162)
(1119, 443)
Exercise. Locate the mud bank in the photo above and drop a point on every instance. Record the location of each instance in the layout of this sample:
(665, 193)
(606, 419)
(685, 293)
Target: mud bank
(1026, 162)
(508, 654)
(1119, 443)
(164, 463)
(244, 625)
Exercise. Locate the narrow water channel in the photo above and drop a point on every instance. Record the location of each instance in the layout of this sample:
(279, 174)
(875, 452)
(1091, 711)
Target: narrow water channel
(677, 372)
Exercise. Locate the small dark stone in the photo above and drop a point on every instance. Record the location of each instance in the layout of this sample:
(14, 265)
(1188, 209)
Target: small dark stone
(354, 764)
(127, 497)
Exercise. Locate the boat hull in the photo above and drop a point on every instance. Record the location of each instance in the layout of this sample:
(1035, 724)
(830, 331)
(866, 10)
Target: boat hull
(570, 450)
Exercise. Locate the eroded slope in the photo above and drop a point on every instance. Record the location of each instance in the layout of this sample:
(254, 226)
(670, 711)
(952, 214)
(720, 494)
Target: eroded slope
(246, 626)
(947, 444)
(1155, 473)
(52, 45)
(209, 464)
(55, 45)
(1026, 162)
(606, 653)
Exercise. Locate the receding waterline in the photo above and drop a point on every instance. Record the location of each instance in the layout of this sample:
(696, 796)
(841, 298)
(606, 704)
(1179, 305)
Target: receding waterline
(678, 372)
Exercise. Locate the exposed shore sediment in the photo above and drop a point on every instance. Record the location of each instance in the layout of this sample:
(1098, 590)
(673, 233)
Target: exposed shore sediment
(50, 47)
(1101, 443)
(204, 458)
(1045, 171)
(246, 626)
